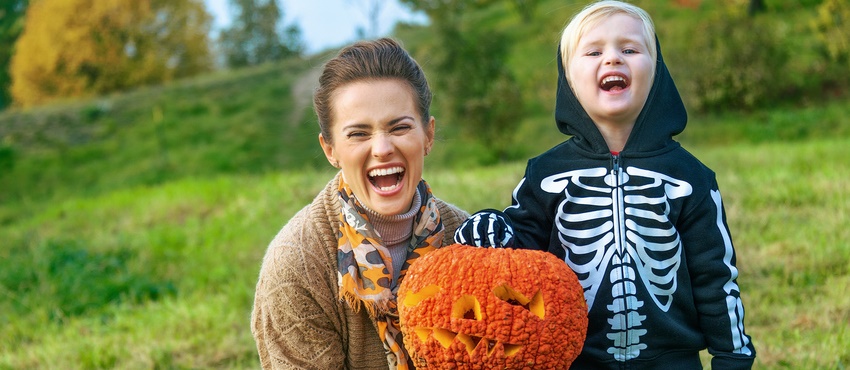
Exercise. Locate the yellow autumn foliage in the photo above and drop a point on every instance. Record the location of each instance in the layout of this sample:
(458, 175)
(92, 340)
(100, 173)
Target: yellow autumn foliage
(73, 48)
(832, 29)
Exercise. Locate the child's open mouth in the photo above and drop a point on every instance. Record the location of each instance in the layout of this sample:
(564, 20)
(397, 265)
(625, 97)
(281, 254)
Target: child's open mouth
(386, 179)
(614, 83)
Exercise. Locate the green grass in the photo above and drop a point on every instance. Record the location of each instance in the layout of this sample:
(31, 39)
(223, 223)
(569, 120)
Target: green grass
(788, 206)
(182, 259)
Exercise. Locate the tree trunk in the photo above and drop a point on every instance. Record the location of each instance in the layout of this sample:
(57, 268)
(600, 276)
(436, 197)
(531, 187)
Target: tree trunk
(755, 7)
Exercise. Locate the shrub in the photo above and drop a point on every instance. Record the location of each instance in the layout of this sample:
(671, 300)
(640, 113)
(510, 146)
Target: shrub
(831, 27)
(7, 159)
(733, 61)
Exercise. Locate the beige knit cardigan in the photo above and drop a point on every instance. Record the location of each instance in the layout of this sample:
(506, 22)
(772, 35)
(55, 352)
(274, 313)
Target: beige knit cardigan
(298, 320)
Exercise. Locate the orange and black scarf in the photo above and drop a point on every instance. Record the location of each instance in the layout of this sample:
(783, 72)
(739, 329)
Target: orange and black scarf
(365, 266)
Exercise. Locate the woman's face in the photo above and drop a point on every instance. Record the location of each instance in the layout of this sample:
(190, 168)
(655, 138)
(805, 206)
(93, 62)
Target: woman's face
(380, 142)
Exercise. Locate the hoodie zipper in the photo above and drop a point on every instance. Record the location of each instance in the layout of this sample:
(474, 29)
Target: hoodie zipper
(618, 204)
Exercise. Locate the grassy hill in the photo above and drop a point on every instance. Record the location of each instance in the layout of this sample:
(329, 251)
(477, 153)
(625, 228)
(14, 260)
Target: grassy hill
(132, 226)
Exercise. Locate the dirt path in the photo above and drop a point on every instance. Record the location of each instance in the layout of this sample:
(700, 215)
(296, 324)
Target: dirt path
(302, 94)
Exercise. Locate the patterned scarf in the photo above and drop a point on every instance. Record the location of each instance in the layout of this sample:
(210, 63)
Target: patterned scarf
(365, 266)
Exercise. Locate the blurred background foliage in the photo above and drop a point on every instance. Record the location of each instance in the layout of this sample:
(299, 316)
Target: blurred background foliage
(59, 49)
(726, 54)
(74, 48)
(115, 93)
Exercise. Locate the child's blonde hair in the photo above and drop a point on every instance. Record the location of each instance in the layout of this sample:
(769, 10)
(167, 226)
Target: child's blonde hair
(591, 15)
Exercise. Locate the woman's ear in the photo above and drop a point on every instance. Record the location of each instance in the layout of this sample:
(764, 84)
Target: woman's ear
(328, 148)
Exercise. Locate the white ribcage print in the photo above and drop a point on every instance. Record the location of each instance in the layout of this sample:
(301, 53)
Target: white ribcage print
(618, 223)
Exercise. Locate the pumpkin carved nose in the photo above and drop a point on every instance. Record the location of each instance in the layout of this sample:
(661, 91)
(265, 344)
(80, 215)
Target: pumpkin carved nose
(467, 307)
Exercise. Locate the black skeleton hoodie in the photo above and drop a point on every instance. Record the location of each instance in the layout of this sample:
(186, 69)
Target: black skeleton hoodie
(646, 233)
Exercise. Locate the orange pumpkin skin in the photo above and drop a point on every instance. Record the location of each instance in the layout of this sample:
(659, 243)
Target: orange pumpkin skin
(463, 307)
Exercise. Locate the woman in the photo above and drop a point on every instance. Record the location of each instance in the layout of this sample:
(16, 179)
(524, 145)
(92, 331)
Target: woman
(326, 296)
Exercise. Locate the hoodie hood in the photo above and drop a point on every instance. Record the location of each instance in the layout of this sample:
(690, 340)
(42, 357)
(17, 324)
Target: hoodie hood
(662, 117)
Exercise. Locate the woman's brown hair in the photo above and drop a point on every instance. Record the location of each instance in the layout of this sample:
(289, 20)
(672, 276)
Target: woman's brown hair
(369, 60)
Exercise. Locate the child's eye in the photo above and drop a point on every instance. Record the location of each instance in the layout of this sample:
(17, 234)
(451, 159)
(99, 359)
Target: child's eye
(594, 54)
(630, 51)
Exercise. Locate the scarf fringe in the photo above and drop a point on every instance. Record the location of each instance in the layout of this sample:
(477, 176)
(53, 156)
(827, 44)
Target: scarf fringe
(354, 301)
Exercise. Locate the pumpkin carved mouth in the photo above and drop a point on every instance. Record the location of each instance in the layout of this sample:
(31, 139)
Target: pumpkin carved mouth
(467, 307)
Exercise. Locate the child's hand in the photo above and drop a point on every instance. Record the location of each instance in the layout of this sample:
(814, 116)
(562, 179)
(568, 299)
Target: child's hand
(486, 228)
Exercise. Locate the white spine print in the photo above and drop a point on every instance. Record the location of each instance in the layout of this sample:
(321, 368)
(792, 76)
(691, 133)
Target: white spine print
(618, 228)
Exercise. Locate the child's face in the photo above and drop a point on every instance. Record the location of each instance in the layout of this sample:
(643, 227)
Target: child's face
(611, 70)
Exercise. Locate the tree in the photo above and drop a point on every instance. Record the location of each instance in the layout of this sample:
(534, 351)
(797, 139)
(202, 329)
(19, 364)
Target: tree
(832, 31)
(11, 24)
(87, 47)
(755, 7)
(526, 9)
(472, 73)
(373, 11)
(255, 37)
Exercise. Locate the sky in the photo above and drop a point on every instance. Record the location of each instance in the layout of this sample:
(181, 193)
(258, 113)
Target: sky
(327, 23)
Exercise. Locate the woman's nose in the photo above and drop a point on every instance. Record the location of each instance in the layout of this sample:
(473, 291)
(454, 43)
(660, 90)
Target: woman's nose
(382, 146)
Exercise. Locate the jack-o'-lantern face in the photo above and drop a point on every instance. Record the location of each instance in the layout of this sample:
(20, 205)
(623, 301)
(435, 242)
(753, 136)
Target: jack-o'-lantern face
(462, 306)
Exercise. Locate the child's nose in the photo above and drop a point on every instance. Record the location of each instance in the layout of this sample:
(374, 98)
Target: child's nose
(613, 58)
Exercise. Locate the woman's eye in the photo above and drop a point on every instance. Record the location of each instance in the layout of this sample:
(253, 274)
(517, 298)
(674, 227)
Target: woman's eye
(401, 128)
(356, 134)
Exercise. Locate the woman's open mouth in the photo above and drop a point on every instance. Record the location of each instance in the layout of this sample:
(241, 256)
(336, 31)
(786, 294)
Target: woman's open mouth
(386, 179)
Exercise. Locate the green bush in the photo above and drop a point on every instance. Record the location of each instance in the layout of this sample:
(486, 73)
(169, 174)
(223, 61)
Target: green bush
(832, 29)
(480, 93)
(7, 159)
(831, 32)
(733, 61)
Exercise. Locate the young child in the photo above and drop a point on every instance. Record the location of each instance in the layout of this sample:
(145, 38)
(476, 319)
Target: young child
(636, 217)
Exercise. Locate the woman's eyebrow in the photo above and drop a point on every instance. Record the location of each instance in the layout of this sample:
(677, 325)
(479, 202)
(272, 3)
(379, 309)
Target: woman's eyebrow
(399, 119)
(356, 126)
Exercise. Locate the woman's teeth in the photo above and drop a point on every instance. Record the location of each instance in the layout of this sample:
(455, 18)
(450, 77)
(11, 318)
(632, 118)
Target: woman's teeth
(385, 171)
(386, 179)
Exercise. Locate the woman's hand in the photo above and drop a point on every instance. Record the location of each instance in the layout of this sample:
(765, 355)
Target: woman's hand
(486, 228)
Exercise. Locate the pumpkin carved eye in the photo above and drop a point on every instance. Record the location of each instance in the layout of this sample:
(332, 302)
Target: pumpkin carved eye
(534, 305)
(413, 299)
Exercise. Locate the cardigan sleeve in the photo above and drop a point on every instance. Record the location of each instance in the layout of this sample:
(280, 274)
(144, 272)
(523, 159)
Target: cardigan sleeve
(452, 217)
(293, 320)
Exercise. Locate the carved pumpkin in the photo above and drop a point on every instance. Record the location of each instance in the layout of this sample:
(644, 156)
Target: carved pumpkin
(465, 307)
